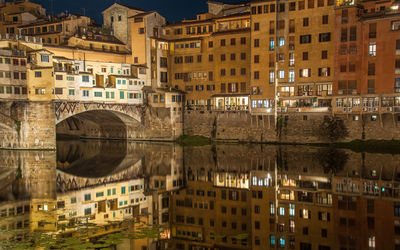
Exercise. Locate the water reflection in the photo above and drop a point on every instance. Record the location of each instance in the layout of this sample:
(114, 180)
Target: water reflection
(162, 196)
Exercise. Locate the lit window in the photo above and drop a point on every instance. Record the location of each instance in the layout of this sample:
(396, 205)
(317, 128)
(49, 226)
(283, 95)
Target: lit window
(291, 59)
(372, 49)
(281, 74)
(271, 44)
(282, 242)
(292, 226)
(371, 242)
(305, 214)
(271, 76)
(272, 208)
(281, 211)
(291, 75)
(281, 41)
(291, 209)
(254, 181)
(272, 240)
(396, 24)
(305, 72)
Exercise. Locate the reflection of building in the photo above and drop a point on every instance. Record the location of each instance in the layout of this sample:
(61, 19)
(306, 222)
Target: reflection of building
(291, 201)
(19, 212)
(108, 202)
(235, 197)
(293, 213)
(204, 215)
(367, 208)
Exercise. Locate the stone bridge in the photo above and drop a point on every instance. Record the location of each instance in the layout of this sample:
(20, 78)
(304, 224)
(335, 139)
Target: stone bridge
(67, 109)
(36, 125)
(99, 120)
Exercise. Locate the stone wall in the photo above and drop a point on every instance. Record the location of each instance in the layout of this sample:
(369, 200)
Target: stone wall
(27, 125)
(296, 128)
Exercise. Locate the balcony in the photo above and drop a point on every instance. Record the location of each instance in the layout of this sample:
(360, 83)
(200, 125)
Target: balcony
(305, 196)
(311, 109)
(324, 185)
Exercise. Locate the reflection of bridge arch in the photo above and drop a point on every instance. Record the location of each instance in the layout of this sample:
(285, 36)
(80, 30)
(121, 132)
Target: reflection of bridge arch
(67, 182)
(96, 159)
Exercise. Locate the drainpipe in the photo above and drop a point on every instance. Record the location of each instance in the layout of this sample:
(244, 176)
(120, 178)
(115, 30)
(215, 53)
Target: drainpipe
(84, 62)
(276, 65)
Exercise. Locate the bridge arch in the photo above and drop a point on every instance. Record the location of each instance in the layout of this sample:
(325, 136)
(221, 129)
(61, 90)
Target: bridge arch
(97, 120)
(66, 109)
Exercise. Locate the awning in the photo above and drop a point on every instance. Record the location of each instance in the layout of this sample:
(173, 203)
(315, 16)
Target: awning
(231, 95)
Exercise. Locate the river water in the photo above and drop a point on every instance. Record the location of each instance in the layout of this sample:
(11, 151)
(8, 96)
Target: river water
(125, 195)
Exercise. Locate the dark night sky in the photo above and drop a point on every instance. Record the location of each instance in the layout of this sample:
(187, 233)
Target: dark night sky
(173, 10)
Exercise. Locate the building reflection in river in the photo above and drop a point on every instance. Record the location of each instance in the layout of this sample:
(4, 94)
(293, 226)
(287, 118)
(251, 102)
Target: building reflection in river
(283, 198)
(211, 197)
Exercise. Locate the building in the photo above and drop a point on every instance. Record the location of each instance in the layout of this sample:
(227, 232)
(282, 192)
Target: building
(298, 51)
(98, 81)
(40, 75)
(116, 19)
(97, 42)
(56, 30)
(16, 13)
(367, 45)
(209, 58)
(14, 74)
(27, 70)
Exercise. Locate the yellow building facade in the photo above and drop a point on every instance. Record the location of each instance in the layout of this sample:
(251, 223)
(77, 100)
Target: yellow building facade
(292, 54)
(208, 59)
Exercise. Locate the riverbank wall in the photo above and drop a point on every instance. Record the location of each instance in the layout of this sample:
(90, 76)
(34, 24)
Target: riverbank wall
(290, 128)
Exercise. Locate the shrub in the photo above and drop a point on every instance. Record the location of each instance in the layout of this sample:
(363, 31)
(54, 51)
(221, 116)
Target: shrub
(333, 129)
